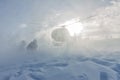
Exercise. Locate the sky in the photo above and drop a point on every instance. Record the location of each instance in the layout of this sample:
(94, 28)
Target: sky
(15, 13)
(21, 19)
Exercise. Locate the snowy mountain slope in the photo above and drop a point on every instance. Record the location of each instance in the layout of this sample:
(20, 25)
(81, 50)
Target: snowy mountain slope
(61, 69)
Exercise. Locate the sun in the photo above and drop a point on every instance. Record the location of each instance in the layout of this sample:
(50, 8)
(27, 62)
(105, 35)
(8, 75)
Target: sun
(74, 28)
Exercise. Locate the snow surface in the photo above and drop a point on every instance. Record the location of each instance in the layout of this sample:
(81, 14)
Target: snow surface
(49, 67)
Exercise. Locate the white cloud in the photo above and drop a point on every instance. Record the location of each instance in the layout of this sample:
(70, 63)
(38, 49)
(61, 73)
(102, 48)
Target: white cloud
(23, 25)
(108, 19)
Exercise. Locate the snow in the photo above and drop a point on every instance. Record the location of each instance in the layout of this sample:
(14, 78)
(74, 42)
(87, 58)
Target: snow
(42, 67)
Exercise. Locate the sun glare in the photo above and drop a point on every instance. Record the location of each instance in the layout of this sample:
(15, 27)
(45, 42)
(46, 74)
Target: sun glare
(74, 29)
